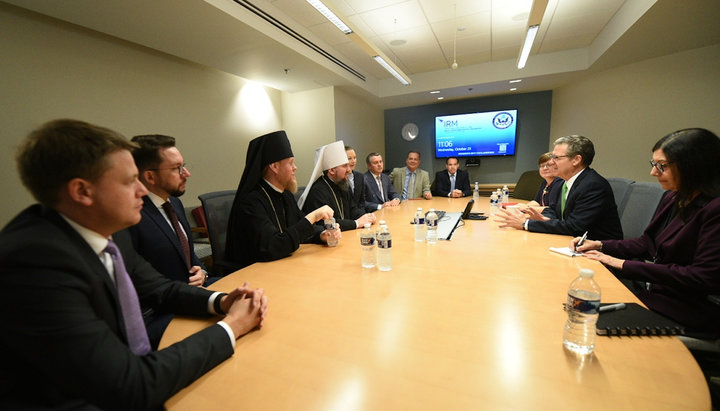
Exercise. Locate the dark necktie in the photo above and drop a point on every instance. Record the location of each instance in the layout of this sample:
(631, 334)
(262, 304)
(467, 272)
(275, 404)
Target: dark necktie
(562, 201)
(172, 215)
(129, 304)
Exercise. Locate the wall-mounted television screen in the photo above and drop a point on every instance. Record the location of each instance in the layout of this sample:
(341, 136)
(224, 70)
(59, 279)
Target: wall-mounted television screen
(490, 133)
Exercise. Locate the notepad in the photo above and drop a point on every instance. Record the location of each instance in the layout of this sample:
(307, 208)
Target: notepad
(636, 320)
(565, 251)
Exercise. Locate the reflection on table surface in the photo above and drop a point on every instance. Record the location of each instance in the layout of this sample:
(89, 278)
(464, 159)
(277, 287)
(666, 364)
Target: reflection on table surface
(474, 322)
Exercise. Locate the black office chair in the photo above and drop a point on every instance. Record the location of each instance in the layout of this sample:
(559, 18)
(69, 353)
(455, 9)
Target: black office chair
(528, 185)
(641, 203)
(217, 206)
(621, 190)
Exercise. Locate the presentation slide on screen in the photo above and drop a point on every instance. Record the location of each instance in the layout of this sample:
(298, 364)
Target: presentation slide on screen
(476, 134)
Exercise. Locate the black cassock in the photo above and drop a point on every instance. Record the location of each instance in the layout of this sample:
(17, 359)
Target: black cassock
(325, 192)
(266, 225)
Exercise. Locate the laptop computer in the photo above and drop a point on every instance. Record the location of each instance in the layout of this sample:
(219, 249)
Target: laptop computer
(468, 215)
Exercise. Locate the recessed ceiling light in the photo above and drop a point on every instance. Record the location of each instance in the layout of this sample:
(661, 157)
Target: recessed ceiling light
(398, 42)
(435, 92)
(513, 89)
(441, 98)
(515, 81)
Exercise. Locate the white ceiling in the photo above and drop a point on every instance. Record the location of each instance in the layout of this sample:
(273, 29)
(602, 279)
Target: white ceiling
(575, 37)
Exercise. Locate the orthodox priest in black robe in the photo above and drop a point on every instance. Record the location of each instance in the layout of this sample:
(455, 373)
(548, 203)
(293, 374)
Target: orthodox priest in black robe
(265, 222)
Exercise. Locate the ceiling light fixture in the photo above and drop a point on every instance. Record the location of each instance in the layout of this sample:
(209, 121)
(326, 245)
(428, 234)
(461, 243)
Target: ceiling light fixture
(395, 72)
(334, 19)
(435, 92)
(454, 65)
(515, 81)
(537, 11)
(366, 45)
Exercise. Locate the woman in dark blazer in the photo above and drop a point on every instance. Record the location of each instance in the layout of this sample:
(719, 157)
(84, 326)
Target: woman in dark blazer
(549, 190)
(678, 255)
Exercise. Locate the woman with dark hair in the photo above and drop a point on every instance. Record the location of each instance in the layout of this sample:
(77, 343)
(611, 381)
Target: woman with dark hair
(550, 188)
(681, 245)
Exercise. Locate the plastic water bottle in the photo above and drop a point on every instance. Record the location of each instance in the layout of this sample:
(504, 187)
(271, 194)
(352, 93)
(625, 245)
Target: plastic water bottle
(419, 221)
(330, 225)
(431, 221)
(476, 192)
(498, 192)
(505, 194)
(384, 253)
(582, 308)
(493, 203)
(367, 242)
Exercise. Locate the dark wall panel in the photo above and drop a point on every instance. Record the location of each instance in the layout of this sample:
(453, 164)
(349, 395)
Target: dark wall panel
(532, 139)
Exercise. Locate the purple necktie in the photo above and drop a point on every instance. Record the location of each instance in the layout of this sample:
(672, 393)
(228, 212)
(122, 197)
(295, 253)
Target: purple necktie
(129, 304)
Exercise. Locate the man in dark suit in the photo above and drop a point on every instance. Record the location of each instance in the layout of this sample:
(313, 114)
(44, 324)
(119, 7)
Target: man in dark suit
(586, 201)
(445, 187)
(379, 191)
(356, 180)
(162, 170)
(163, 237)
(73, 284)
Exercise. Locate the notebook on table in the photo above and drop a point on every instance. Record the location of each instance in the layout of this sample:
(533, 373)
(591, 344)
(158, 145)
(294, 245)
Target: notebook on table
(636, 320)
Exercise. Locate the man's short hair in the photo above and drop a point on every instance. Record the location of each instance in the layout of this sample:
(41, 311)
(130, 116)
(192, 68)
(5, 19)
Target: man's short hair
(147, 154)
(373, 154)
(62, 150)
(447, 160)
(578, 145)
(412, 151)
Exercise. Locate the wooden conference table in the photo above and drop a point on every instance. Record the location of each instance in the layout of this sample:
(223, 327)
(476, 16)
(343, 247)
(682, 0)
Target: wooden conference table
(471, 323)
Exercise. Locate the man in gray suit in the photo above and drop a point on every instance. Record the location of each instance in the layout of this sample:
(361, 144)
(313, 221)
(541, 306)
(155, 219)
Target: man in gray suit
(410, 180)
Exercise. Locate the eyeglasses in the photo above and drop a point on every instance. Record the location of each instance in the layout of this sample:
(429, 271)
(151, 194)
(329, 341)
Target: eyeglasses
(659, 166)
(554, 157)
(180, 169)
(545, 165)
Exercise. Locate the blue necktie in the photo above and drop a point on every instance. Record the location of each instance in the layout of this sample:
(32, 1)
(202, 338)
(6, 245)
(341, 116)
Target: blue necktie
(129, 304)
(452, 183)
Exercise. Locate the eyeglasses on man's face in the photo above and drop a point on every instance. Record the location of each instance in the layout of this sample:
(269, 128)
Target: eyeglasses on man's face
(180, 169)
(659, 166)
(554, 157)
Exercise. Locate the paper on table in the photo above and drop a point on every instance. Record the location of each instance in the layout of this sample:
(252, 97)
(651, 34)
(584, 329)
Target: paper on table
(565, 251)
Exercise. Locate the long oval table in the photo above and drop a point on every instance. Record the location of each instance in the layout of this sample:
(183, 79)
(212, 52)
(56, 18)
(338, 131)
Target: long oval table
(471, 323)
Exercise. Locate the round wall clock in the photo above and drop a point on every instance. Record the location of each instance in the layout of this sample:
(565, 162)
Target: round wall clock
(409, 131)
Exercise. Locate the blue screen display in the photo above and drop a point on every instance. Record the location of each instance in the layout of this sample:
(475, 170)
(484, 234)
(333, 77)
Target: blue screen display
(490, 133)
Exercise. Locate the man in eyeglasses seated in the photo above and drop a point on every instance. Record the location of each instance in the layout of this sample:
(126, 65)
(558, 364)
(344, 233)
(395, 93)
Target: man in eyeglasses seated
(163, 234)
(586, 199)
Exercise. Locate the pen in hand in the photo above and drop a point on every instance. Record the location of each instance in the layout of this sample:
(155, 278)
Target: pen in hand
(582, 240)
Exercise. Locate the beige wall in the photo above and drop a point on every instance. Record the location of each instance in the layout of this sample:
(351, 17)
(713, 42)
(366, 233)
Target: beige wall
(309, 120)
(51, 69)
(625, 110)
(360, 125)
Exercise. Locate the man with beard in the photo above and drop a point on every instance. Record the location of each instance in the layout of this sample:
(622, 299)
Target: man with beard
(163, 236)
(265, 222)
(333, 188)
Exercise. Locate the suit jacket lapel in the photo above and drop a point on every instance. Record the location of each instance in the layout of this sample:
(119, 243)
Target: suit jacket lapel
(92, 260)
(154, 215)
